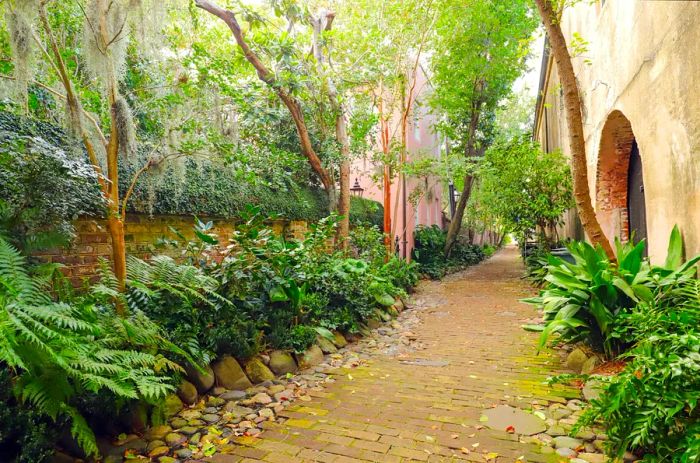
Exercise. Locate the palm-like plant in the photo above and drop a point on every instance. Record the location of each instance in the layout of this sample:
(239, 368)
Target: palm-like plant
(584, 301)
(58, 351)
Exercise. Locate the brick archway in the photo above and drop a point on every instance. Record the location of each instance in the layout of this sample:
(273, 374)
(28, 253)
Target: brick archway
(616, 142)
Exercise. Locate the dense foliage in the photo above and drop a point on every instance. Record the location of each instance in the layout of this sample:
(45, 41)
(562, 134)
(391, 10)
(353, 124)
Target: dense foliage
(651, 407)
(524, 188)
(58, 351)
(429, 242)
(646, 315)
(45, 183)
(276, 291)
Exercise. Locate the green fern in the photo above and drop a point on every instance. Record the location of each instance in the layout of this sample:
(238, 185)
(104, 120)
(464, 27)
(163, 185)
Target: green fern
(58, 351)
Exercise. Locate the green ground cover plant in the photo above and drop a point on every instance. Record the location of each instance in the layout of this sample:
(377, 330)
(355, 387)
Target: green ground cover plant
(647, 316)
(432, 262)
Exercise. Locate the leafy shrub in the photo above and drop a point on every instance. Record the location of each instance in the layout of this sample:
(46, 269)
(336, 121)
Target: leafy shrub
(26, 435)
(58, 351)
(46, 183)
(400, 273)
(651, 406)
(536, 266)
(430, 255)
(587, 300)
(367, 243)
(366, 212)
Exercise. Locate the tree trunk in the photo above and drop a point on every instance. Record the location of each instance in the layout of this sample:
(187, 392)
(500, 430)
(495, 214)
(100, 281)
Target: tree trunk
(322, 23)
(572, 103)
(110, 188)
(289, 101)
(456, 223)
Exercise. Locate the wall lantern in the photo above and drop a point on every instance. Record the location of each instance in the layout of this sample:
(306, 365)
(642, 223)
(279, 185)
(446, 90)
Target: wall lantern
(356, 189)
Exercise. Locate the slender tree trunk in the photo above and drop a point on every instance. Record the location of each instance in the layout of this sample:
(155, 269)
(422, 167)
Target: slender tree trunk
(577, 144)
(110, 188)
(322, 23)
(456, 223)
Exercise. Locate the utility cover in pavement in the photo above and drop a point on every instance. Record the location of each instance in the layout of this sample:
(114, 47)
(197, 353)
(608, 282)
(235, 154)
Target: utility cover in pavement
(503, 417)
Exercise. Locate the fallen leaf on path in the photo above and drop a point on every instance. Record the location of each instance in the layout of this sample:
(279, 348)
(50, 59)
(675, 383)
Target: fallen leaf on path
(491, 456)
(454, 436)
(510, 429)
(471, 435)
(465, 450)
(430, 438)
(475, 445)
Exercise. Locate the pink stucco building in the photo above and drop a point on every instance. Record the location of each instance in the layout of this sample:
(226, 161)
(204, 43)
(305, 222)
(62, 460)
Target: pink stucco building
(425, 192)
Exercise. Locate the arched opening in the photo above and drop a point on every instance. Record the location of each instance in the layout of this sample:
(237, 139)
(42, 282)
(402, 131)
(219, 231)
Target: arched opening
(620, 203)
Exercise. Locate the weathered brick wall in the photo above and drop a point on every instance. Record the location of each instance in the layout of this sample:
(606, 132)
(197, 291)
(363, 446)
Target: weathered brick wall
(142, 232)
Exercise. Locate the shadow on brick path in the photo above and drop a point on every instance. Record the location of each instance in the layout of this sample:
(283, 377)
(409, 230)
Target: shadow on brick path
(427, 408)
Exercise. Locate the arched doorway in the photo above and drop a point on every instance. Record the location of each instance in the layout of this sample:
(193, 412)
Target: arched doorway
(620, 203)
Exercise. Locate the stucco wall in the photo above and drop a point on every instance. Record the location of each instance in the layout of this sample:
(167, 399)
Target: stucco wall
(421, 140)
(644, 61)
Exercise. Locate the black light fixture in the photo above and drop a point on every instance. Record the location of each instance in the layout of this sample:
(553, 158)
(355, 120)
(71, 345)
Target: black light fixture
(356, 189)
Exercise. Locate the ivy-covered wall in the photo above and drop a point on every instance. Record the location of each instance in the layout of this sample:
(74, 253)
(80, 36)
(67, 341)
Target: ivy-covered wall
(46, 183)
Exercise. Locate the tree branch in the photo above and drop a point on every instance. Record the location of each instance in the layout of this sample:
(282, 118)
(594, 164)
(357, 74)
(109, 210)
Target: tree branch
(268, 77)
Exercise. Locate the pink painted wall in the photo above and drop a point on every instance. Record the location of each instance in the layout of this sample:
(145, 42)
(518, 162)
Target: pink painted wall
(421, 140)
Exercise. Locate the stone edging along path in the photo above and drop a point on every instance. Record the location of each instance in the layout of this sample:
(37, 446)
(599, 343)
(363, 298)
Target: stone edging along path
(453, 378)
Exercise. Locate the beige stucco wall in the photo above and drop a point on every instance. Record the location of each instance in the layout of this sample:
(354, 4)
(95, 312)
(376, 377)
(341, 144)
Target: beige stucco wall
(645, 62)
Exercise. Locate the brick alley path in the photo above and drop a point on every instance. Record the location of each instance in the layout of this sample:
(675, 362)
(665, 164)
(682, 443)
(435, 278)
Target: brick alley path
(427, 406)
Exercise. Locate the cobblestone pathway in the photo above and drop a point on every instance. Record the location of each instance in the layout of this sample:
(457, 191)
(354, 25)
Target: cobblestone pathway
(426, 405)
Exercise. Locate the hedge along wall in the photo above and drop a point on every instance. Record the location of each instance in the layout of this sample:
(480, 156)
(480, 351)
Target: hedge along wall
(45, 182)
(142, 232)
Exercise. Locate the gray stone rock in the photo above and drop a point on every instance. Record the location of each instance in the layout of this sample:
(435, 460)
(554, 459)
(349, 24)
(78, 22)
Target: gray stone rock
(282, 362)
(339, 340)
(183, 453)
(233, 395)
(237, 410)
(174, 439)
(215, 401)
(575, 360)
(327, 347)
(559, 412)
(229, 374)
(171, 406)
(556, 430)
(202, 380)
(211, 418)
(592, 389)
(261, 398)
(590, 365)
(311, 357)
(503, 416)
(257, 371)
(157, 433)
(567, 442)
(593, 457)
(154, 445)
(188, 430)
(566, 453)
(585, 434)
(187, 392)
(178, 422)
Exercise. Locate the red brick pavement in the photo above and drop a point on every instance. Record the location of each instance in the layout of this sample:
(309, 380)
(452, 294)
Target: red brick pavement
(391, 411)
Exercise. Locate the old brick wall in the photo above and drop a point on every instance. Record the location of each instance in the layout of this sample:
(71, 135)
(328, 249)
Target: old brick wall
(142, 232)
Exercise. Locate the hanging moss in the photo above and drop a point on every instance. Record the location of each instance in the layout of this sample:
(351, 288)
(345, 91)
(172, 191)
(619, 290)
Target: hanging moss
(203, 188)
